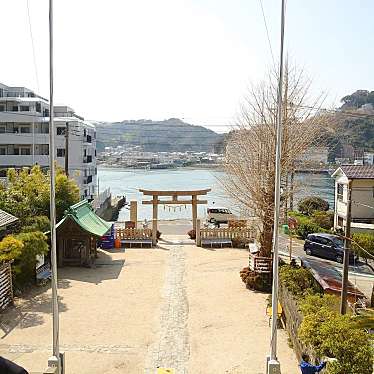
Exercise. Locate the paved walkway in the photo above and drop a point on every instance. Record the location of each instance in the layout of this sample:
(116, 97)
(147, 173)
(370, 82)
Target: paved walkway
(176, 306)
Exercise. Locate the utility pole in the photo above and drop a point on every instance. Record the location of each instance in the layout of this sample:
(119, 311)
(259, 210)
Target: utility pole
(53, 361)
(67, 149)
(273, 365)
(347, 246)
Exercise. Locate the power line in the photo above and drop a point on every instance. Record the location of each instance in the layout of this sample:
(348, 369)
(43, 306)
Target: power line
(267, 31)
(33, 46)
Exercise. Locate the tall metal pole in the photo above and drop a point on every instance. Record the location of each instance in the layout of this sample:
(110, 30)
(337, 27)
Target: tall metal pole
(273, 342)
(55, 345)
(67, 149)
(347, 246)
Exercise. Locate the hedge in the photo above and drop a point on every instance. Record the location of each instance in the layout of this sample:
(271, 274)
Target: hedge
(324, 330)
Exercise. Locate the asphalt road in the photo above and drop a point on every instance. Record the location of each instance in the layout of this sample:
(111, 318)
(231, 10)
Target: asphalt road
(359, 273)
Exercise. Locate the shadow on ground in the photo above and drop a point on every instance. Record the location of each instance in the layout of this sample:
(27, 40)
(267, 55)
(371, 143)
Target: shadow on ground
(105, 268)
(28, 310)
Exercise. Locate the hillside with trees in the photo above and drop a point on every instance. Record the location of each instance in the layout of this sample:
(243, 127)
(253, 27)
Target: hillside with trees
(158, 136)
(354, 124)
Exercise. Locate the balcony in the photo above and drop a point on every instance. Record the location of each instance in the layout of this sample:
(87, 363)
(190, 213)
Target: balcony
(21, 160)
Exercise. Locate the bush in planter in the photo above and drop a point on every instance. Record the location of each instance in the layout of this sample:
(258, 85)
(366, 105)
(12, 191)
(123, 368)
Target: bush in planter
(299, 281)
(311, 204)
(192, 234)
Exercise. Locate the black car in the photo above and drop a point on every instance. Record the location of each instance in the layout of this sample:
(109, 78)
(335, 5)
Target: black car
(326, 246)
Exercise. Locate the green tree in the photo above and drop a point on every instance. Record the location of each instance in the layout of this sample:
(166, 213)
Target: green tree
(34, 244)
(27, 194)
(311, 204)
(363, 243)
(10, 248)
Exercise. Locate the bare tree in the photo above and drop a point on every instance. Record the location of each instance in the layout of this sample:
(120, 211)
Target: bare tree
(250, 150)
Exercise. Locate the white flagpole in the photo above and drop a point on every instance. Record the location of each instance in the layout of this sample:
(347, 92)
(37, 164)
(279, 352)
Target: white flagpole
(55, 360)
(273, 363)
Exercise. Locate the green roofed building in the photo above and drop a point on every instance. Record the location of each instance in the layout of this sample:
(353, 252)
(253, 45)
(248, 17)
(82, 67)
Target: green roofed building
(77, 234)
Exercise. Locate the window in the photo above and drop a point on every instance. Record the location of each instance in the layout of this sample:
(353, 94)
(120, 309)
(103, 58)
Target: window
(85, 152)
(340, 189)
(61, 130)
(95, 156)
(38, 107)
(14, 108)
(60, 152)
(340, 221)
(25, 151)
(2, 129)
(2, 151)
(25, 108)
(84, 132)
(25, 130)
(2, 108)
(43, 149)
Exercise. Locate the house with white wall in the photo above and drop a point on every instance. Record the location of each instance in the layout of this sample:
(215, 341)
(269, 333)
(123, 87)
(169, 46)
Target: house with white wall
(362, 208)
(24, 137)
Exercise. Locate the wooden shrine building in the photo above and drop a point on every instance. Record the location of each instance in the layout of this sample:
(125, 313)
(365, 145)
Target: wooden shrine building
(172, 199)
(77, 235)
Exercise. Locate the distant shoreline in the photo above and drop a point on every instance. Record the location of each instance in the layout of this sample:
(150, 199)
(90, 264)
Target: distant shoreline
(216, 167)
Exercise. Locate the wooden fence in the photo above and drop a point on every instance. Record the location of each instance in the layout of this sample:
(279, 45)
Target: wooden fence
(242, 233)
(260, 264)
(6, 289)
(136, 234)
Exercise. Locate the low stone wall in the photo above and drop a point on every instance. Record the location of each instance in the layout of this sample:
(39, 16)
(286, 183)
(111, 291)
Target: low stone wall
(292, 318)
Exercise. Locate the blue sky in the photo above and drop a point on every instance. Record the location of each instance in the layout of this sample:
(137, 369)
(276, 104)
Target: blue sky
(192, 59)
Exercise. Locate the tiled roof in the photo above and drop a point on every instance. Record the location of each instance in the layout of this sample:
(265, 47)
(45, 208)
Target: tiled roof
(6, 218)
(358, 171)
(86, 218)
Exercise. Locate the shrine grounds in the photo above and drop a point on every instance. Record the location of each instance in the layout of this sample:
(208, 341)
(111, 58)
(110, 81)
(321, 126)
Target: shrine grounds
(177, 306)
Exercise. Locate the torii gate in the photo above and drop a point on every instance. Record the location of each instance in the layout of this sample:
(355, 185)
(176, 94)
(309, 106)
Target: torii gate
(174, 200)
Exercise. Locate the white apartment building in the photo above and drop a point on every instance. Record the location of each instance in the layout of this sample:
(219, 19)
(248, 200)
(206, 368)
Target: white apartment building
(24, 137)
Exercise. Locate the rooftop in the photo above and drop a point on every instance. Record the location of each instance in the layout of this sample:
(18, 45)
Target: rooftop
(356, 171)
(6, 218)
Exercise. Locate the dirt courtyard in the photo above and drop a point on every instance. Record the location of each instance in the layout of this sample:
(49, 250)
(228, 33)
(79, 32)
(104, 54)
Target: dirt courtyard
(177, 306)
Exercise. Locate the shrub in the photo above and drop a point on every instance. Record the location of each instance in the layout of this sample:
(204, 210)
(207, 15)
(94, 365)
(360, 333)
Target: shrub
(311, 304)
(304, 229)
(324, 219)
(192, 234)
(334, 335)
(10, 248)
(34, 243)
(311, 204)
(298, 281)
(366, 241)
(239, 242)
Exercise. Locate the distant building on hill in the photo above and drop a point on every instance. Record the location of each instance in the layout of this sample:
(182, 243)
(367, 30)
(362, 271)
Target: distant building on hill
(24, 137)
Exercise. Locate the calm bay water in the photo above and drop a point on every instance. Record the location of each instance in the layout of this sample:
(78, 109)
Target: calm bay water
(128, 181)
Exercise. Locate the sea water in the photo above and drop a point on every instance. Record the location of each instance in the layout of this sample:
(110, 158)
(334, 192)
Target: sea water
(127, 182)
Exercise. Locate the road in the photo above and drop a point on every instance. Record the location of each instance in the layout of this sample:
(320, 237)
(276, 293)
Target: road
(359, 274)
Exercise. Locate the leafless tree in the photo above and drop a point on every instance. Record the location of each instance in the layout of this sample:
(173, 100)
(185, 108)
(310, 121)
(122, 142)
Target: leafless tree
(250, 150)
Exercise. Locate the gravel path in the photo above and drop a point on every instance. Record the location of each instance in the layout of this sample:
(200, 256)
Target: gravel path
(171, 349)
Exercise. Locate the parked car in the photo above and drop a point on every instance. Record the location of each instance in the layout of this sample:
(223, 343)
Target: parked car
(219, 215)
(326, 246)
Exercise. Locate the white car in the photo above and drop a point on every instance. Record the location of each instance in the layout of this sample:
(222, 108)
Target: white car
(219, 215)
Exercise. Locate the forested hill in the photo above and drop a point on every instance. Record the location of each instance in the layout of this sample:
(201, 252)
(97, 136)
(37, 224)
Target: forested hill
(354, 124)
(158, 136)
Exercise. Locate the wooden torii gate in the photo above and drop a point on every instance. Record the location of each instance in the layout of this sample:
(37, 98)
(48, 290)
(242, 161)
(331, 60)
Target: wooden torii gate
(173, 200)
